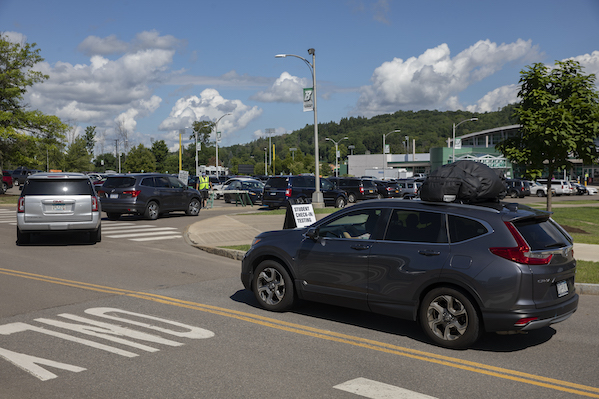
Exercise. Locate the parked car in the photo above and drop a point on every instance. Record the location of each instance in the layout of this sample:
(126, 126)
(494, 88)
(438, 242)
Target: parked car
(457, 269)
(356, 188)
(578, 189)
(6, 181)
(538, 189)
(280, 189)
(252, 186)
(408, 187)
(20, 174)
(562, 187)
(148, 195)
(218, 184)
(58, 202)
(387, 189)
(517, 188)
(592, 190)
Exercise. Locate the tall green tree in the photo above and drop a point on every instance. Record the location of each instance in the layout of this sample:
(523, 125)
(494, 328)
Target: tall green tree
(90, 139)
(559, 115)
(140, 159)
(77, 159)
(18, 124)
(160, 151)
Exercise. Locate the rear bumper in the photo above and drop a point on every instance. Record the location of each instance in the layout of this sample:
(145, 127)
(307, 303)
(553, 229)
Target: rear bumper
(46, 227)
(505, 321)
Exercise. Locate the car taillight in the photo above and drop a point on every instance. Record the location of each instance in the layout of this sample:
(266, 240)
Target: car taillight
(524, 321)
(21, 205)
(288, 192)
(132, 193)
(520, 253)
(101, 193)
(362, 190)
(94, 204)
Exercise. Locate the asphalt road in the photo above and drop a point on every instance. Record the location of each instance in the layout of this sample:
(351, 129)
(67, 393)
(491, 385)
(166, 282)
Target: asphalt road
(161, 319)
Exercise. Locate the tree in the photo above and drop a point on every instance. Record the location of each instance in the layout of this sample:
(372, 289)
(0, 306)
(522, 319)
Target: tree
(204, 130)
(140, 159)
(160, 151)
(17, 123)
(559, 117)
(77, 159)
(90, 139)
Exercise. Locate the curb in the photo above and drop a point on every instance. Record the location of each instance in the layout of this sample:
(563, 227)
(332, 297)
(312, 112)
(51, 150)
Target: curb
(587, 289)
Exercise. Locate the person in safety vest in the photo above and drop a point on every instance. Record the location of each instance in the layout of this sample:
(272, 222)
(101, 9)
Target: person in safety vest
(204, 186)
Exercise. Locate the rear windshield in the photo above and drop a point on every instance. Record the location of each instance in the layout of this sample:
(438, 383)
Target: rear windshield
(119, 182)
(541, 234)
(277, 183)
(58, 187)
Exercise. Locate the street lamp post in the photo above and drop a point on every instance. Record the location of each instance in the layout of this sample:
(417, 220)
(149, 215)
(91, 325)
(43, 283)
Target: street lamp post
(265, 162)
(317, 197)
(336, 153)
(216, 140)
(453, 140)
(384, 156)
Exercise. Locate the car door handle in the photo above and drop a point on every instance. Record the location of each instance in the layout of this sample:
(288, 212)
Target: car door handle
(360, 247)
(429, 252)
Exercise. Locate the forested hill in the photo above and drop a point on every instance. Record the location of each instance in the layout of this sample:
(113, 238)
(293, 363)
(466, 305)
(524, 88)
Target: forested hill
(428, 128)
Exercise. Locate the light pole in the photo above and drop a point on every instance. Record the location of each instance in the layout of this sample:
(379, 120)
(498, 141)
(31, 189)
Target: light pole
(265, 162)
(453, 142)
(317, 198)
(216, 140)
(384, 156)
(336, 153)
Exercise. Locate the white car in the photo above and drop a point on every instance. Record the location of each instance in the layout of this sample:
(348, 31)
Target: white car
(592, 190)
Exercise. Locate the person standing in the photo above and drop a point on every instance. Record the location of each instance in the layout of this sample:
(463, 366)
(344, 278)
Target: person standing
(204, 186)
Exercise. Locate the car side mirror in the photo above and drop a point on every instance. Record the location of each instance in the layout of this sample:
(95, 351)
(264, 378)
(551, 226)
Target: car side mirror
(312, 233)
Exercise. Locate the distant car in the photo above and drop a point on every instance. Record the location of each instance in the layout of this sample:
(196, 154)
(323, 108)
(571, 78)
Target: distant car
(459, 270)
(408, 188)
(517, 188)
(357, 189)
(6, 181)
(252, 186)
(592, 190)
(20, 174)
(218, 184)
(58, 202)
(562, 187)
(579, 189)
(279, 190)
(387, 189)
(147, 195)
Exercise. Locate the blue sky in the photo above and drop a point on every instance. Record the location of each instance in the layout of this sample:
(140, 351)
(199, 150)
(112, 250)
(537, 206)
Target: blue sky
(153, 67)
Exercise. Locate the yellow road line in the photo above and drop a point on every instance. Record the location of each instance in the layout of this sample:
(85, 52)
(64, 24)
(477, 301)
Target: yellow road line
(475, 367)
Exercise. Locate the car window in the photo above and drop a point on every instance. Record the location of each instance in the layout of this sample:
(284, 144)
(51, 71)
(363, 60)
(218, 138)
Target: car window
(462, 229)
(161, 182)
(541, 235)
(175, 183)
(147, 181)
(119, 182)
(414, 226)
(277, 183)
(58, 187)
(234, 185)
(359, 224)
(326, 185)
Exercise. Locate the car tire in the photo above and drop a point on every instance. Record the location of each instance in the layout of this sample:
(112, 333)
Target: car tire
(513, 194)
(113, 216)
(449, 318)
(340, 202)
(96, 235)
(273, 287)
(193, 208)
(540, 193)
(23, 238)
(4, 187)
(379, 196)
(152, 210)
(351, 197)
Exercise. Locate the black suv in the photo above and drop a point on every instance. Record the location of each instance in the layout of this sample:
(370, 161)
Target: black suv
(356, 188)
(387, 189)
(279, 189)
(517, 188)
(147, 194)
(20, 174)
(457, 269)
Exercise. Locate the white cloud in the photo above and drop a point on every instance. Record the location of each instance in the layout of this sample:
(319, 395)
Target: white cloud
(93, 45)
(15, 37)
(590, 62)
(496, 99)
(210, 105)
(286, 88)
(432, 79)
(97, 92)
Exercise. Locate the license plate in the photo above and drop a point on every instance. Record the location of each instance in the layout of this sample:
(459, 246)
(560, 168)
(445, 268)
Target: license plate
(562, 289)
(59, 207)
(273, 193)
(114, 196)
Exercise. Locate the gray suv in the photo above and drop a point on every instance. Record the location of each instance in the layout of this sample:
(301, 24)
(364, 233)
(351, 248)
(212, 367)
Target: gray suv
(147, 195)
(58, 202)
(459, 270)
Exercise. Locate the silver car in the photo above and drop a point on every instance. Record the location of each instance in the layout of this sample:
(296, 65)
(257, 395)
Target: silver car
(58, 202)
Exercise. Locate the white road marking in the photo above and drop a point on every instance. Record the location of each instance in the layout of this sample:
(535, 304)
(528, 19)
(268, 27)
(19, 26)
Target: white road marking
(378, 390)
(155, 238)
(151, 233)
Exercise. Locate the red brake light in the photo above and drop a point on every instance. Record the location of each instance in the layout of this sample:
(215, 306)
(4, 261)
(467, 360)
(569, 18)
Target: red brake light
(133, 193)
(288, 192)
(21, 205)
(520, 253)
(524, 321)
(361, 190)
(94, 204)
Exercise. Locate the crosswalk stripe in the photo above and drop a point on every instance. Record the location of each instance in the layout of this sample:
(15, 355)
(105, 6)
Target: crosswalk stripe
(153, 233)
(155, 238)
(140, 230)
(378, 390)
